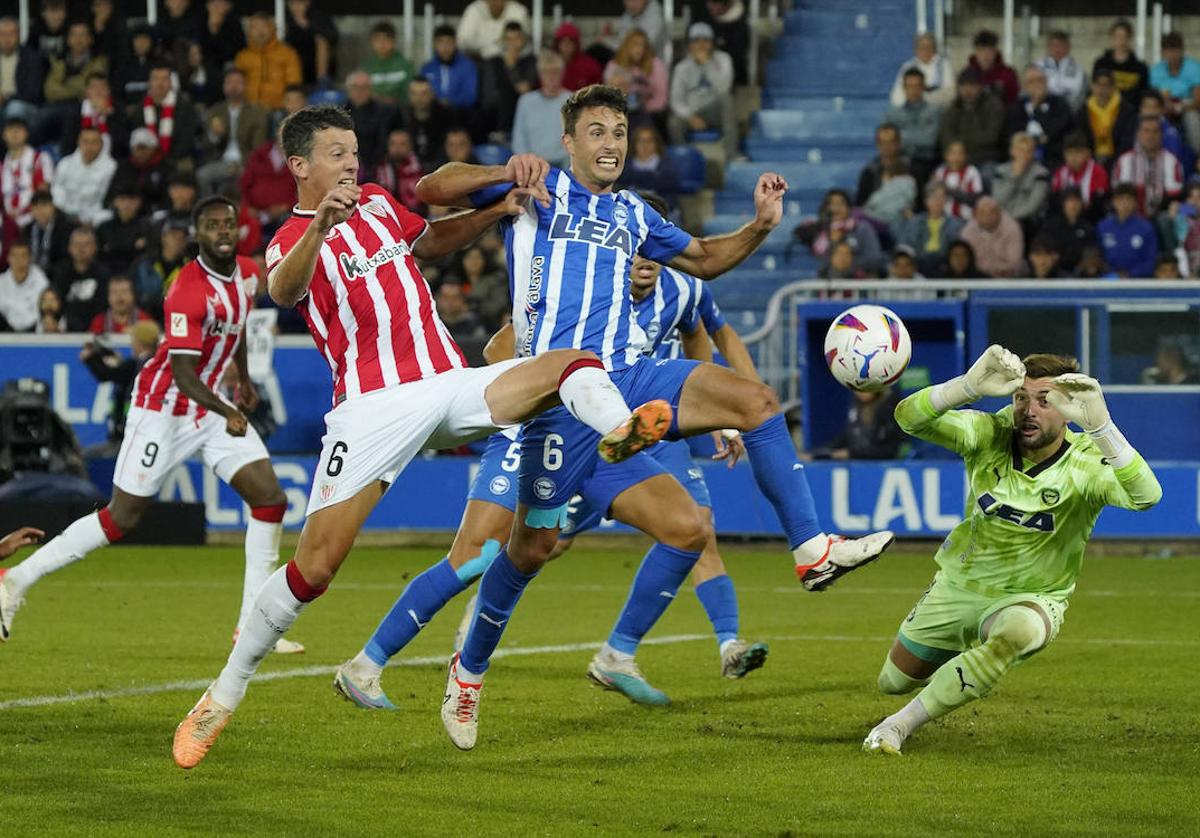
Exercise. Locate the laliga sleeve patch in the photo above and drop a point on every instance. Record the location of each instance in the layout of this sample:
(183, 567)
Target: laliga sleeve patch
(547, 519)
(179, 324)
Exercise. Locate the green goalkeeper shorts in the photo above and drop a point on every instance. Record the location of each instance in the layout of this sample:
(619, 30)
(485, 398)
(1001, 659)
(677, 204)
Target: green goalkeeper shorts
(947, 618)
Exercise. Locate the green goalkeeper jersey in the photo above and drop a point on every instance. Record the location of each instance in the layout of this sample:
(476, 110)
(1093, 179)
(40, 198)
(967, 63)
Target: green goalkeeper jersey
(1025, 525)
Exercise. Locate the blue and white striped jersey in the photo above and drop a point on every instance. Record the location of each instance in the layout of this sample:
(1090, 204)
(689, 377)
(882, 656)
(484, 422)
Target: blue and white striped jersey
(569, 266)
(679, 302)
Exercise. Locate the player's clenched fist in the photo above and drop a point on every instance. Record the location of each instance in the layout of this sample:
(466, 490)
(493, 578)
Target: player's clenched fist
(528, 171)
(336, 206)
(997, 372)
(236, 423)
(1079, 399)
(768, 198)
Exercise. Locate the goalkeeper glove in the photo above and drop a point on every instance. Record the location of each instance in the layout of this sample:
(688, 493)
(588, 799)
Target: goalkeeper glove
(997, 372)
(1080, 400)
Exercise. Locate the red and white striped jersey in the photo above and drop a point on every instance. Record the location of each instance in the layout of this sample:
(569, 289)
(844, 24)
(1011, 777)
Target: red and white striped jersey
(204, 314)
(369, 309)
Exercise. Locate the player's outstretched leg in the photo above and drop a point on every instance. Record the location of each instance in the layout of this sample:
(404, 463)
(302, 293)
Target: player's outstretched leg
(715, 398)
(1013, 633)
(326, 539)
(257, 485)
(98, 529)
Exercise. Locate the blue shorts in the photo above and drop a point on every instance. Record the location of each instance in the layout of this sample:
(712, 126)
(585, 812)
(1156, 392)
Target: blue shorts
(601, 489)
(496, 479)
(558, 453)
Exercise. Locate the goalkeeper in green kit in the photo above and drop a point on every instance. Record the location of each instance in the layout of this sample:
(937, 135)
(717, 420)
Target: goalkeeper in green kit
(1008, 568)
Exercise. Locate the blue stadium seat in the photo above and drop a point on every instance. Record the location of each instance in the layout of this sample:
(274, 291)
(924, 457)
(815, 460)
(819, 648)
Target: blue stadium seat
(704, 136)
(689, 165)
(327, 96)
(490, 154)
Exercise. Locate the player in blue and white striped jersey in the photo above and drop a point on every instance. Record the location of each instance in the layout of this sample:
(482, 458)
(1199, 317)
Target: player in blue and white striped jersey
(570, 255)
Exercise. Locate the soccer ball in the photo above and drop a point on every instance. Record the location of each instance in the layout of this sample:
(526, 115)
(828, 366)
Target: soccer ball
(867, 348)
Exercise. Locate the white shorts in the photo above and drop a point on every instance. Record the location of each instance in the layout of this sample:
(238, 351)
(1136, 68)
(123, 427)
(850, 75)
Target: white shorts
(156, 442)
(374, 436)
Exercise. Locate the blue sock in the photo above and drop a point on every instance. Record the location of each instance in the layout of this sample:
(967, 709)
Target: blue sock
(655, 585)
(721, 605)
(781, 478)
(499, 589)
(424, 597)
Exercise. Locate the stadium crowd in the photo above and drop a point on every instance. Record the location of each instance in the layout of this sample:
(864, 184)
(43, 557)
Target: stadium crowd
(990, 174)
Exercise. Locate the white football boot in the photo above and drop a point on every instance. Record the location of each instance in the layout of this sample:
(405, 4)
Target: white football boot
(843, 555)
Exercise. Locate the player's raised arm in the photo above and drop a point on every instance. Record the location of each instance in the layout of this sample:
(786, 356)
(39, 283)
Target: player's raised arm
(288, 282)
(1080, 399)
(930, 413)
(712, 256)
(447, 235)
(453, 184)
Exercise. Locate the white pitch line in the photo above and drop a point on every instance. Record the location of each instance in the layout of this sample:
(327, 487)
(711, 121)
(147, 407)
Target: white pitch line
(511, 652)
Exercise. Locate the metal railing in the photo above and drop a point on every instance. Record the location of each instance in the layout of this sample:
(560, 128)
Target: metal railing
(776, 341)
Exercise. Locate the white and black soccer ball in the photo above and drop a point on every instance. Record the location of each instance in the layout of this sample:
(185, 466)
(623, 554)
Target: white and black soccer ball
(867, 347)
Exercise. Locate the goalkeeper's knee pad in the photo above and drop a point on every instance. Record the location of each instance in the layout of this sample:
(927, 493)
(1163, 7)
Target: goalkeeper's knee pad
(1019, 629)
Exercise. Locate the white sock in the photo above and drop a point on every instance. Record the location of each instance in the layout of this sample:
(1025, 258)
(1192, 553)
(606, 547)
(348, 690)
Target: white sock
(721, 649)
(75, 542)
(365, 667)
(591, 397)
(812, 550)
(910, 717)
(274, 610)
(466, 675)
(262, 554)
(609, 652)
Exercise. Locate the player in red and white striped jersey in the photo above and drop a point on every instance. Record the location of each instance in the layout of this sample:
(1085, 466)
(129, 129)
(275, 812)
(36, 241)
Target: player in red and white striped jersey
(347, 261)
(176, 413)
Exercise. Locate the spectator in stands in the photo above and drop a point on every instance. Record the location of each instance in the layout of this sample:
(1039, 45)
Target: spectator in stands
(68, 74)
(97, 111)
(870, 432)
(1046, 118)
(181, 200)
(270, 66)
(389, 69)
(1070, 228)
(1064, 77)
(1107, 120)
(930, 233)
(975, 118)
(1022, 185)
(893, 201)
(701, 91)
(108, 29)
(460, 321)
(842, 263)
(1083, 174)
(294, 98)
(400, 171)
(918, 120)
(48, 31)
(903, 264)
(82, 178)
(836, 223)
(50, 313)
(169, 116)
(22, 74)
(221, 38)
(996, 239)
(537, 126)
(234, 128)
(48, 231)
(80, 280)
(132, 74)
(1128, 239)
(731, 32)
(1154, 172)
(636, 70)
(372, 119)
(579, 68)
(1154, 105)
(963, 182)
(314, 36)
(1187, 227)
(428, 120)
(1091, 264)
(26, 171)
(1129, 73)
(994, 74)
(454, 77)
(960, 262)
(937, 76)
(482, 25)
(888, 149)
(106, 364)
(1167, 267)
(122, 311)
(143, 167)
(268, 187)
(178, 25)
(506, 77)
(1177, 78)
(1170, 367)
(488, 287)
(123, 237)
(458, 147)
(648, 168)
(644, 15)
(20, 288)
(195, 81)
(1044, 259)
(154, 273)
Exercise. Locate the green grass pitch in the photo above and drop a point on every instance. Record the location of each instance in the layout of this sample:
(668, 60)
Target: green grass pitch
(1096, 736)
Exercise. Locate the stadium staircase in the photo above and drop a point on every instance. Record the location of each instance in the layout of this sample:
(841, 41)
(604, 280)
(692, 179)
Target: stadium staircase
(826, 89)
